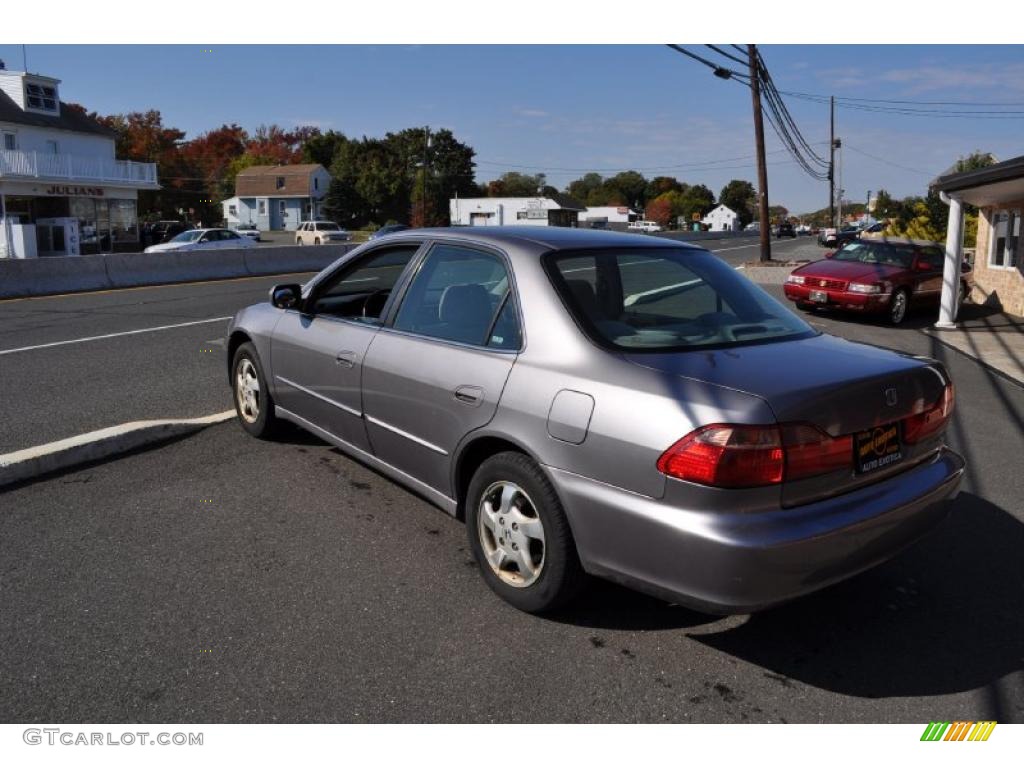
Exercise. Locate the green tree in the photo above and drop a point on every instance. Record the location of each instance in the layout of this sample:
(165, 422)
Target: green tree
(659, 185)
(322, 148)
(695, 199)
(582, 188)
(740, 196)
(631, 186)
(515, 184)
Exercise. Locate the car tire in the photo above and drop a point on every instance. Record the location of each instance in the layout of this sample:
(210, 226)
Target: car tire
(513, 516)
(804, 306)
(899, 305)
(317, 242)
(298, 241)
(254, 405)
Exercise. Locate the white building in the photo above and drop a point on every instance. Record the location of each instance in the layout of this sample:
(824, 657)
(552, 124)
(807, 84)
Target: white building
(722, 219)
(608, 217)
(62, 189)
(555, 211)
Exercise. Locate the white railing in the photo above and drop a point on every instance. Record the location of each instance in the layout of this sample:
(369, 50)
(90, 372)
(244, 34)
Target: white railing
(40, 165)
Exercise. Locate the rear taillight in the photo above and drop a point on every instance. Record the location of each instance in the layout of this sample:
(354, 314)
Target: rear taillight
(727, 456)
(744, 456)
(931, 421)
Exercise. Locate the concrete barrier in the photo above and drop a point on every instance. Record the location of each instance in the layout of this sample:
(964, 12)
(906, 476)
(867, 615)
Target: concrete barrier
(293, 258)
(128, 270)
(70, 274)
(49, 275)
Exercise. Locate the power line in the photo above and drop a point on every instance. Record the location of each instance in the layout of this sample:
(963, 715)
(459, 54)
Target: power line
(913, 111)
(888, 162)
(911, 101)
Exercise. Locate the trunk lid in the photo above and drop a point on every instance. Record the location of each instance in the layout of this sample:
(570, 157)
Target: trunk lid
(839, 386)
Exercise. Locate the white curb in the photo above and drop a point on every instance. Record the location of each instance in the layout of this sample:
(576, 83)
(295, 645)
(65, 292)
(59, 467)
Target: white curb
(94, 446)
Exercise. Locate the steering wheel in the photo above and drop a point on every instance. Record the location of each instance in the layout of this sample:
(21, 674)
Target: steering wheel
(381, 295)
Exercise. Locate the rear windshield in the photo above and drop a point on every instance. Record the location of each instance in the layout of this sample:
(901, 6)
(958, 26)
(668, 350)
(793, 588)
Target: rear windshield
(667, 299)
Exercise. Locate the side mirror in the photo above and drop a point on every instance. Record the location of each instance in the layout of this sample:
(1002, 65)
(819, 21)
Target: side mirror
(288, 296)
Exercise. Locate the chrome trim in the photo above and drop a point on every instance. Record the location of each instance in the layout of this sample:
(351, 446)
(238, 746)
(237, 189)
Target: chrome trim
(406, 435)
(318, 396)
(433, 495)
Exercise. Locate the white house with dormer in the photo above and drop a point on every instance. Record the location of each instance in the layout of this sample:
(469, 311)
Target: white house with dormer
(722, 219)
(62, 189)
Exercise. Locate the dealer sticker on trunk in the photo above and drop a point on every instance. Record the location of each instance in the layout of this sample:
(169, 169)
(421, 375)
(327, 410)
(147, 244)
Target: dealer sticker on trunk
(878, 447)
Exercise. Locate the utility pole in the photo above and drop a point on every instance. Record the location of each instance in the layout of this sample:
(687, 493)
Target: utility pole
(832, 162)
(423, 195)
(762, 169)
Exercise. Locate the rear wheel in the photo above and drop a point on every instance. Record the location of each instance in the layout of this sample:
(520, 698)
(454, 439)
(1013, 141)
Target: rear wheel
(317, 241)
(520, 536)
(253, 404)
(898, 306)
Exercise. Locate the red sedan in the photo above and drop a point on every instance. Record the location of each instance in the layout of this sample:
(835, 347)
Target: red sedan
(876, 276)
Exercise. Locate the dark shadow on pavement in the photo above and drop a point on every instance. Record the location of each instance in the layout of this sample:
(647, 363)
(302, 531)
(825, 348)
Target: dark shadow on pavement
(942, 618)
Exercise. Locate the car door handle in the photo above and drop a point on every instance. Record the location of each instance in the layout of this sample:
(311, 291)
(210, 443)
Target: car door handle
(469, 395)
(346, 358)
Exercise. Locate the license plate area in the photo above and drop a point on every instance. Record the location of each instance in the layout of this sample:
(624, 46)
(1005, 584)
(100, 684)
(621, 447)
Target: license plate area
(877, 448)
(819, 296)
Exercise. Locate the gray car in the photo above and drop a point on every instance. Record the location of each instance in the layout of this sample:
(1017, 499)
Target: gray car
(598, 403)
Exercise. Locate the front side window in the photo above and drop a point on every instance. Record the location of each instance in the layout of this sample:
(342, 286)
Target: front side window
(327, 226)
(1005, 239)
(456, 296)
(667, 300)
(188, 237)
(359, 291)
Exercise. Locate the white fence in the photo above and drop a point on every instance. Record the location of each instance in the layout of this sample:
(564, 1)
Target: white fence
(38, 165)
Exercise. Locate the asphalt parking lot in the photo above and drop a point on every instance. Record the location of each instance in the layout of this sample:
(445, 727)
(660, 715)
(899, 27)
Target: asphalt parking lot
(223, 579)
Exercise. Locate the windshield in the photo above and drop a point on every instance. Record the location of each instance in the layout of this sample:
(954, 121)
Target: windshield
(668, 299)
(866, 252)
(327, 226)
(187, 237)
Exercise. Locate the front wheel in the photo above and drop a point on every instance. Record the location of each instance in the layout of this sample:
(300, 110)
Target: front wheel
(253, 404)
(520, 536)
(898, 306)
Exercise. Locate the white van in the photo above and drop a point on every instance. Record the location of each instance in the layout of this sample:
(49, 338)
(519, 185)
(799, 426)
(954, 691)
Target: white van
(644, 226)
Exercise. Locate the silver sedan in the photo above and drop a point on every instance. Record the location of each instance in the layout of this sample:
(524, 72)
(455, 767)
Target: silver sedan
(598, 403)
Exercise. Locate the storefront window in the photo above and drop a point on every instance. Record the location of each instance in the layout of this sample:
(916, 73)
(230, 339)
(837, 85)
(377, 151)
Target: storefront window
(84, 209)
(123, 222)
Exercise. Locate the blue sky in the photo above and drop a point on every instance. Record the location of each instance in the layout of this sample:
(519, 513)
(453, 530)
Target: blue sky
(572, 107)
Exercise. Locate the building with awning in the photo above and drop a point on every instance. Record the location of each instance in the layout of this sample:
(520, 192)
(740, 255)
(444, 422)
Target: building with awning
(998, 193)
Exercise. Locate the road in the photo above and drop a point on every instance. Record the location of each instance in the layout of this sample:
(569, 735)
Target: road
(225, 579)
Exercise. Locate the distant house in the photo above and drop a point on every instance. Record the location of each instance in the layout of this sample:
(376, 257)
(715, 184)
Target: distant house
(607, 217)
(277, 196)
(722, 219)
(553, 211)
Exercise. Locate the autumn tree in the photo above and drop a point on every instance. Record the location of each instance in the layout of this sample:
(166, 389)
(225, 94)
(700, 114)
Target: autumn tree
(660, 209)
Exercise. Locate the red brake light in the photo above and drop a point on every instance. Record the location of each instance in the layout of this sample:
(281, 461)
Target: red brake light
(743, 456)
(925, 424)
(727, 456)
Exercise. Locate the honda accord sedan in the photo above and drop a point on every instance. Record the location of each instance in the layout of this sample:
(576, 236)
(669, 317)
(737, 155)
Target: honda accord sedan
(600, 403)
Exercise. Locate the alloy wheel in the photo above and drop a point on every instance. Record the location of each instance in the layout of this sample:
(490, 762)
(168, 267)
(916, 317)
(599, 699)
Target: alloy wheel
(511, 534)
(247, 390)
(899, 307)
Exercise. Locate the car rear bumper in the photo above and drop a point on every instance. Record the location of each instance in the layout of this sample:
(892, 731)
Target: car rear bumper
(855, 302)
(738, 562)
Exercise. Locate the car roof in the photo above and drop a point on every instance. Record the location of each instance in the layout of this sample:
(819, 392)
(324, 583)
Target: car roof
(554, 238)
(902, 241)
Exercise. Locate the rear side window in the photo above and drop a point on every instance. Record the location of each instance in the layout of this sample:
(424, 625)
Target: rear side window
(668, 299)
(457, 296)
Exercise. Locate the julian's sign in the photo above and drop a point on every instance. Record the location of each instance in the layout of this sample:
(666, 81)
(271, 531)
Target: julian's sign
(64, 191)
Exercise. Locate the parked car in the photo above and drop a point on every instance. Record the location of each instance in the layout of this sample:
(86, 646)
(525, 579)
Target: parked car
(320, 233)
(202, 240)
(164, 231)
(875, 276)
(785, 229)
(803, 229)
(830, 237)
(248, 230)
(593, 402)
(754, 226)
(644, 226)
(878, 226)
(388, 229)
